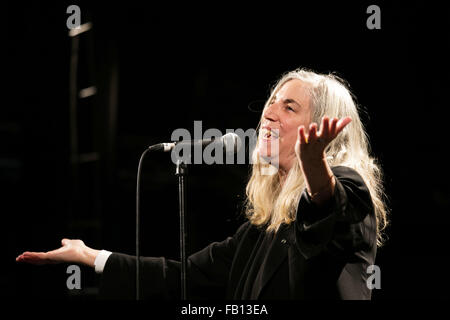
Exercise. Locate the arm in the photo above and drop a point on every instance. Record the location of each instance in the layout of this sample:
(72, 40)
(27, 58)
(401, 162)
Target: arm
(345, 227)
(310, 151)
(160, 278)
(335, 212)
(207, 270)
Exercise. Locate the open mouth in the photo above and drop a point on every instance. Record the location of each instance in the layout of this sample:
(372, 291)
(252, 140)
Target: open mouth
(268, 133)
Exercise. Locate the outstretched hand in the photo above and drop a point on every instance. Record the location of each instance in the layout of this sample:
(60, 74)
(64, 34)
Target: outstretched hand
(312, 146)
(74, 251)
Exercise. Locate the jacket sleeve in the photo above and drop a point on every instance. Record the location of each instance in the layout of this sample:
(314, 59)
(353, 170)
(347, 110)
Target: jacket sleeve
(344, 226)
(207, 274)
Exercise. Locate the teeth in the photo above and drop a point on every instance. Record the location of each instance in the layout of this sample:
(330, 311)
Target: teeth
(267, 133)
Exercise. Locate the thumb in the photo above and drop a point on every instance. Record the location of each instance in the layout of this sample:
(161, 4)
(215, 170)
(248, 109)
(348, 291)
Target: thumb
(65, 242)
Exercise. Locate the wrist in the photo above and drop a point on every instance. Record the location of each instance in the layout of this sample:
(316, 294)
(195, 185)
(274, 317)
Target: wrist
(88, 256)
(319, 179)
(323, 193)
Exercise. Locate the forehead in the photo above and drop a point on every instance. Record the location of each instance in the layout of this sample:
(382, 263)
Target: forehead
(294, 89)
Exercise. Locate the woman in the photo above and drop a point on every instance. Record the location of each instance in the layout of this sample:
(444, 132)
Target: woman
(313, 227)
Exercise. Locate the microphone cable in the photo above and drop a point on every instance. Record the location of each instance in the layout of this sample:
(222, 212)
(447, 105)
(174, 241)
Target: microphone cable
(138, 179)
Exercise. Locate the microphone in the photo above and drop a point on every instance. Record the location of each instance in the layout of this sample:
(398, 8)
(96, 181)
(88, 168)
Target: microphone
(231, 142)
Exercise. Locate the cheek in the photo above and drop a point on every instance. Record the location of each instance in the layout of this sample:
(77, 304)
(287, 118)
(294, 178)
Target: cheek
(287, 144)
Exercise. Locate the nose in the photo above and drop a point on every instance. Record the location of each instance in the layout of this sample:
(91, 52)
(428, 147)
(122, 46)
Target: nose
(271, 112)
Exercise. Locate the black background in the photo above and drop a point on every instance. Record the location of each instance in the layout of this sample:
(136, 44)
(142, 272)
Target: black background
(161, 67)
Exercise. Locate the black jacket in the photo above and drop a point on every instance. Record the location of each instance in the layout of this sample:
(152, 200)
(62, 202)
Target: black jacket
(324, 254)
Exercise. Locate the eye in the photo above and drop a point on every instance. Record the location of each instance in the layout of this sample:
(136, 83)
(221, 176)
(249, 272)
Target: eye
(289, 108)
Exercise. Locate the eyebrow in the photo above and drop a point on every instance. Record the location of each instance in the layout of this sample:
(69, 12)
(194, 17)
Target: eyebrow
(291, 101)
(288, 100)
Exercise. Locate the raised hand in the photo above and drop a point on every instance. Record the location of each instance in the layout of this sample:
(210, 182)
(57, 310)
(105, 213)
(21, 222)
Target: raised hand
(74, 251)
(311, 146)
(310, 152)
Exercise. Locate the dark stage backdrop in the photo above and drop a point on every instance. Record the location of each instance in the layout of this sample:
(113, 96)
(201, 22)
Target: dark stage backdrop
(159, 68)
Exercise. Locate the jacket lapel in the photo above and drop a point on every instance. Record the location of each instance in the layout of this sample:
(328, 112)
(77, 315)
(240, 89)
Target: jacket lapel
(277, 254)
(244, 250)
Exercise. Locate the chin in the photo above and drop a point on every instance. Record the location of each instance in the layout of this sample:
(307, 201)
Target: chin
(267, 157)
(264, 152)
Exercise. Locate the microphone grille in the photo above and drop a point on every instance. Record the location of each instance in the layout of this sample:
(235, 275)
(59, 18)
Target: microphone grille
(231, 142)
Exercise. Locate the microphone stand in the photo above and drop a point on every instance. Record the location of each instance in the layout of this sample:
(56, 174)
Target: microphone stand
(180, 171)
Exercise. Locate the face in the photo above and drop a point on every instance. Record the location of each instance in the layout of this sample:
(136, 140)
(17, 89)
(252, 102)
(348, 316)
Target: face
(289, 109)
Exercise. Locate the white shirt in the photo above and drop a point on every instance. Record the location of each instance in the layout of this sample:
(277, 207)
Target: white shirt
(100, 260)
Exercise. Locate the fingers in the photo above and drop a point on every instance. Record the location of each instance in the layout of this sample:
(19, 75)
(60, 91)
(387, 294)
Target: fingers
(325, 127)
(40, 258)
(333, 124)
(312, 135)
(331, 128)
(342, 123)
(302, 135)
(37, 258)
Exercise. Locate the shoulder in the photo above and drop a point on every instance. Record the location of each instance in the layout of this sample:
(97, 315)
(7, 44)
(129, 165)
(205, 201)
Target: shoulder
(248, 232)
(242, 229)
(351, 189)
(345, 172)
(350, 178)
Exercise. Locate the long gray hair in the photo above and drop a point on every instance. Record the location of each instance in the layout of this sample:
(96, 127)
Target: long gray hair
(270, 203)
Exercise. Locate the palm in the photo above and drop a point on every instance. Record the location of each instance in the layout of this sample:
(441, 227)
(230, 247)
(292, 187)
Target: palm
(312, 146)
(69, 251)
